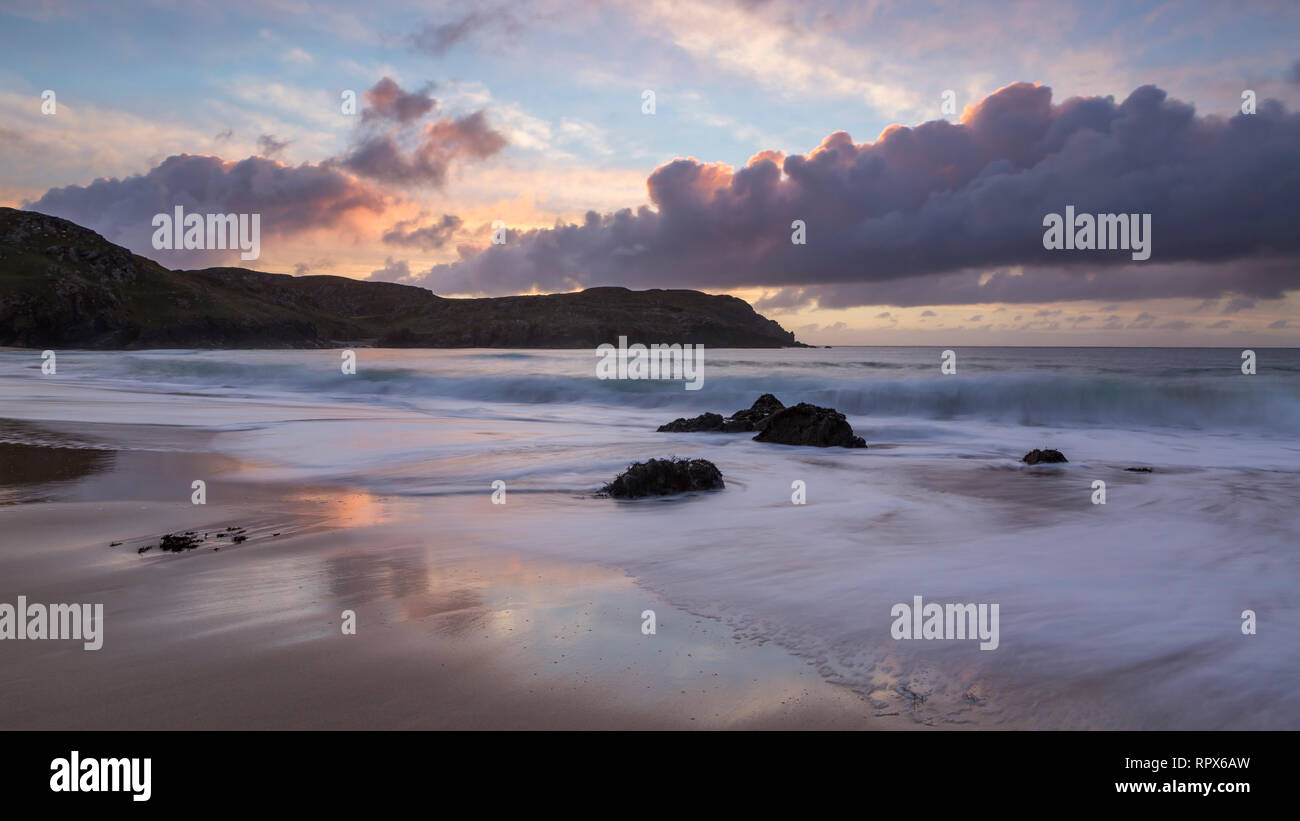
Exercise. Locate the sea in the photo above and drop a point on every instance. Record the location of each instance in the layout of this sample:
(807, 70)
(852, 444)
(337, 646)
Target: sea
(1169, 601)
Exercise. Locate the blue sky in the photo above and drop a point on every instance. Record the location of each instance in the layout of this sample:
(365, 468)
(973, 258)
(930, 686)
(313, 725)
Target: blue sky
(562, 84)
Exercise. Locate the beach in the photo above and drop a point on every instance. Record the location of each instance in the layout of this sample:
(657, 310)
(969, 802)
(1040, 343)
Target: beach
(248, 637)
(373, 493)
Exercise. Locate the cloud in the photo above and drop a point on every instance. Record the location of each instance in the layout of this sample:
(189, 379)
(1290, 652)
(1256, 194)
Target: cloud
(1222, 323)
(436, 39)
(429, 237)
(1281, 323)
(783, 299)
(393, 271)
(409, 152)
(291, 200)
(298, 58)
(387, 101)
(889, 220)
(270, 146)
(304, 268)
(932, 313)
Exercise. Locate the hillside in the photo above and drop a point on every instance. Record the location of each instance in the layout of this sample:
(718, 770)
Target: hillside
(62, 285)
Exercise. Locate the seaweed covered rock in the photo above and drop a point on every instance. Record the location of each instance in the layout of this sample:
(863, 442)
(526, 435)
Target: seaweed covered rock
(1047, 457)
(663, 477)
(176, 542)
(755, 416)
(806, 424)
(745, 420)
(703, 422)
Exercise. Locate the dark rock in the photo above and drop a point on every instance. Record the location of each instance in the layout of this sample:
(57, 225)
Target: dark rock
(239, 539)
(755, 416)
(703, 422)
(146, 547)
(806, 424)
(1036, 456)
(662, 477)
(114, 544)
(742, 421)
(1138, 470)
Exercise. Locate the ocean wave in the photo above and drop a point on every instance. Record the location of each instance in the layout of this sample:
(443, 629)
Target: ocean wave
(1220, 401)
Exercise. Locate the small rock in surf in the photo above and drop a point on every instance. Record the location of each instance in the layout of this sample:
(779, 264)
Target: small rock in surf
(664, 477)
(1036, 457)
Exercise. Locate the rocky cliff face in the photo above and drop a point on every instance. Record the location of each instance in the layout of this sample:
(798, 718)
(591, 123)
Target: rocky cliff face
(62, 285)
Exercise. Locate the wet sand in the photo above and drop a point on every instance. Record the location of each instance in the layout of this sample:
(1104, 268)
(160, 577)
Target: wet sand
(453, 628)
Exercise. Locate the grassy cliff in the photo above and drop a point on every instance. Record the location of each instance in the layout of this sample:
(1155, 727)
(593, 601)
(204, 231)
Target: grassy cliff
(62, 285)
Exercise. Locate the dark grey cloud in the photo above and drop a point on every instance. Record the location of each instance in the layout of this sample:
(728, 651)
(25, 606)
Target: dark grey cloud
(1264, 278)
(386, 100)
(393, 271)
(427, 237)
(436, 39)
(413, 151)
(924, 214)
(289, 198)
(270, 146)
(783, 299)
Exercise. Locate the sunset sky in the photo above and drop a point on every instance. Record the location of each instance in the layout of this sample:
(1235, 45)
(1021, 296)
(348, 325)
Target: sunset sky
(764, 112)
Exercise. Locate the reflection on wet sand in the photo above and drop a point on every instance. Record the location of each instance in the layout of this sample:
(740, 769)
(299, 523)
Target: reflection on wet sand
(27, 470)
(454, 628)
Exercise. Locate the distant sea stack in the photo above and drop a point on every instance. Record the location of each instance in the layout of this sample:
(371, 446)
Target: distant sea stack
(65, 285)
